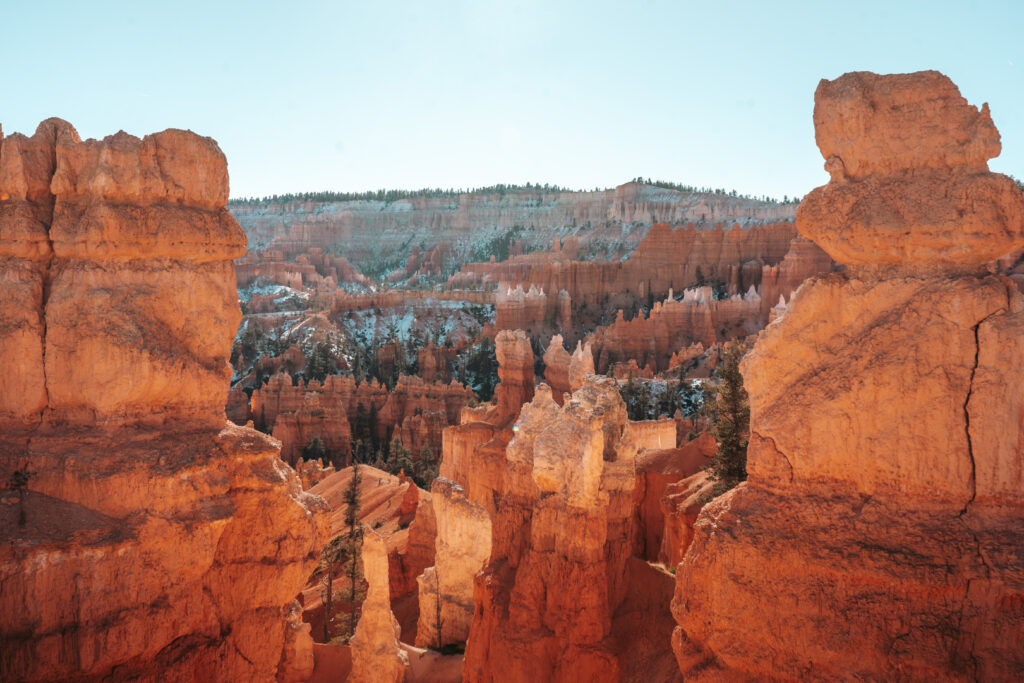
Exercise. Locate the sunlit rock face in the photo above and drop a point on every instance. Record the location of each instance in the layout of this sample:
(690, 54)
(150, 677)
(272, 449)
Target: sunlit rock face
(466, 495)
(886, 476)
(563, 533)
(376, 654)
(157, 541)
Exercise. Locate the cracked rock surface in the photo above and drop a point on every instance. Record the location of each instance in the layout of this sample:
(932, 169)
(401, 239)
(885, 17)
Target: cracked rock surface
(879, 535)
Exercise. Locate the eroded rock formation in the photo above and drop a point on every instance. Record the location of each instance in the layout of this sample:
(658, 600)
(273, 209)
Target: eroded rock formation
(882, 511)
(563, 532)
(403, 516)
(339, 409)
(467, 493)
(376, 654)
(158, 542)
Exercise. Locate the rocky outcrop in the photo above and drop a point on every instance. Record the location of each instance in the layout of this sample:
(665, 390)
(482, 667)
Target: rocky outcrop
(680, 505)
(339, 410)
(556, 368)
(658, 469)
(562, 537)
(467, 493)
(884, 496)
(376, 654)
(515, 374)
(159, 542)
(463, 546)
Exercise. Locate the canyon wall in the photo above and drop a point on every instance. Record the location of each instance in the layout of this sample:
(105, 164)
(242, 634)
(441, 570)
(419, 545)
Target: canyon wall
(369, 227)
(882, 510)
(666, 258)
(339, 409)
(147, 539)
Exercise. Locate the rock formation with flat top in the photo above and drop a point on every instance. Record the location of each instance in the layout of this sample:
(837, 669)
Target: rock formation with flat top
(153, 540)
(878, 535)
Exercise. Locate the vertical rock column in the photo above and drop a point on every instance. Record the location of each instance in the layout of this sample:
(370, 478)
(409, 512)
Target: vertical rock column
(377, 656)
(26, 212)
(465, 496)
(878, 535)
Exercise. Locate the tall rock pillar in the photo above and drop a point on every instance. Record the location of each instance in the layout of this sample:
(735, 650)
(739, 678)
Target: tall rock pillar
(878, 536)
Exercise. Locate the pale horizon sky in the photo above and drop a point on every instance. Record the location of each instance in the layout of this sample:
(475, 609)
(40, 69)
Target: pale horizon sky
(308, 96)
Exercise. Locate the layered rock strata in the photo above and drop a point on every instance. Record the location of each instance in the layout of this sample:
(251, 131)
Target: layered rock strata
(157, 542)
(699, 318)
(339, 409)
(882, 511)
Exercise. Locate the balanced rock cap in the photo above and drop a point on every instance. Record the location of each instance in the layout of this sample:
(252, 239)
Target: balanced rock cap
(910, 188)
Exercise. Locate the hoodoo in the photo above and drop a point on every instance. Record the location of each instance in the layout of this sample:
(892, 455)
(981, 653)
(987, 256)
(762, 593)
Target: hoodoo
(148, 539)
(878, 535)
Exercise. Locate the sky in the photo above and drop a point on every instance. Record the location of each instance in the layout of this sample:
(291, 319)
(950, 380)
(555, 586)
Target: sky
(353, 96)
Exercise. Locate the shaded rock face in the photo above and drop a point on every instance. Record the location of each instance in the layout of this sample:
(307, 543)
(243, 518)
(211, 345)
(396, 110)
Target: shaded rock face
(563, 532)
(463, 546)
(882, 511)
(159, 542)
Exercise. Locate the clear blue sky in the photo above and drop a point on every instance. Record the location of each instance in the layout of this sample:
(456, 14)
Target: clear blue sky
(352, 96)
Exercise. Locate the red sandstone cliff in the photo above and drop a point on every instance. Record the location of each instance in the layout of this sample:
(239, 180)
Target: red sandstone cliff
(158, 542)
(877, 536)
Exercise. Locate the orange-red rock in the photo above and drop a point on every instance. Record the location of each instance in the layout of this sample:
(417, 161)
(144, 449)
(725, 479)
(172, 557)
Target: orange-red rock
(562, 537)
(402, 514)
(467, 492)
(339, 409)
(556, 368)
(680, 505)
(376, 655)
(910, 184)
(159, 542)
(657, 469)
(882, 509)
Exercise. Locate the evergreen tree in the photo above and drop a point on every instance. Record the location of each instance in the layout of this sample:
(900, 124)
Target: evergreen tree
(354, 539)
(731, 417)
(321, 362)
(314, 450)
(331, 561)
(426, 468)
(398, 457)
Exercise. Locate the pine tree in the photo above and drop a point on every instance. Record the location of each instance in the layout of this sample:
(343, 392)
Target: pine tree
(354, 541)
(314, 450)
(399, 456)
(731, 422)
